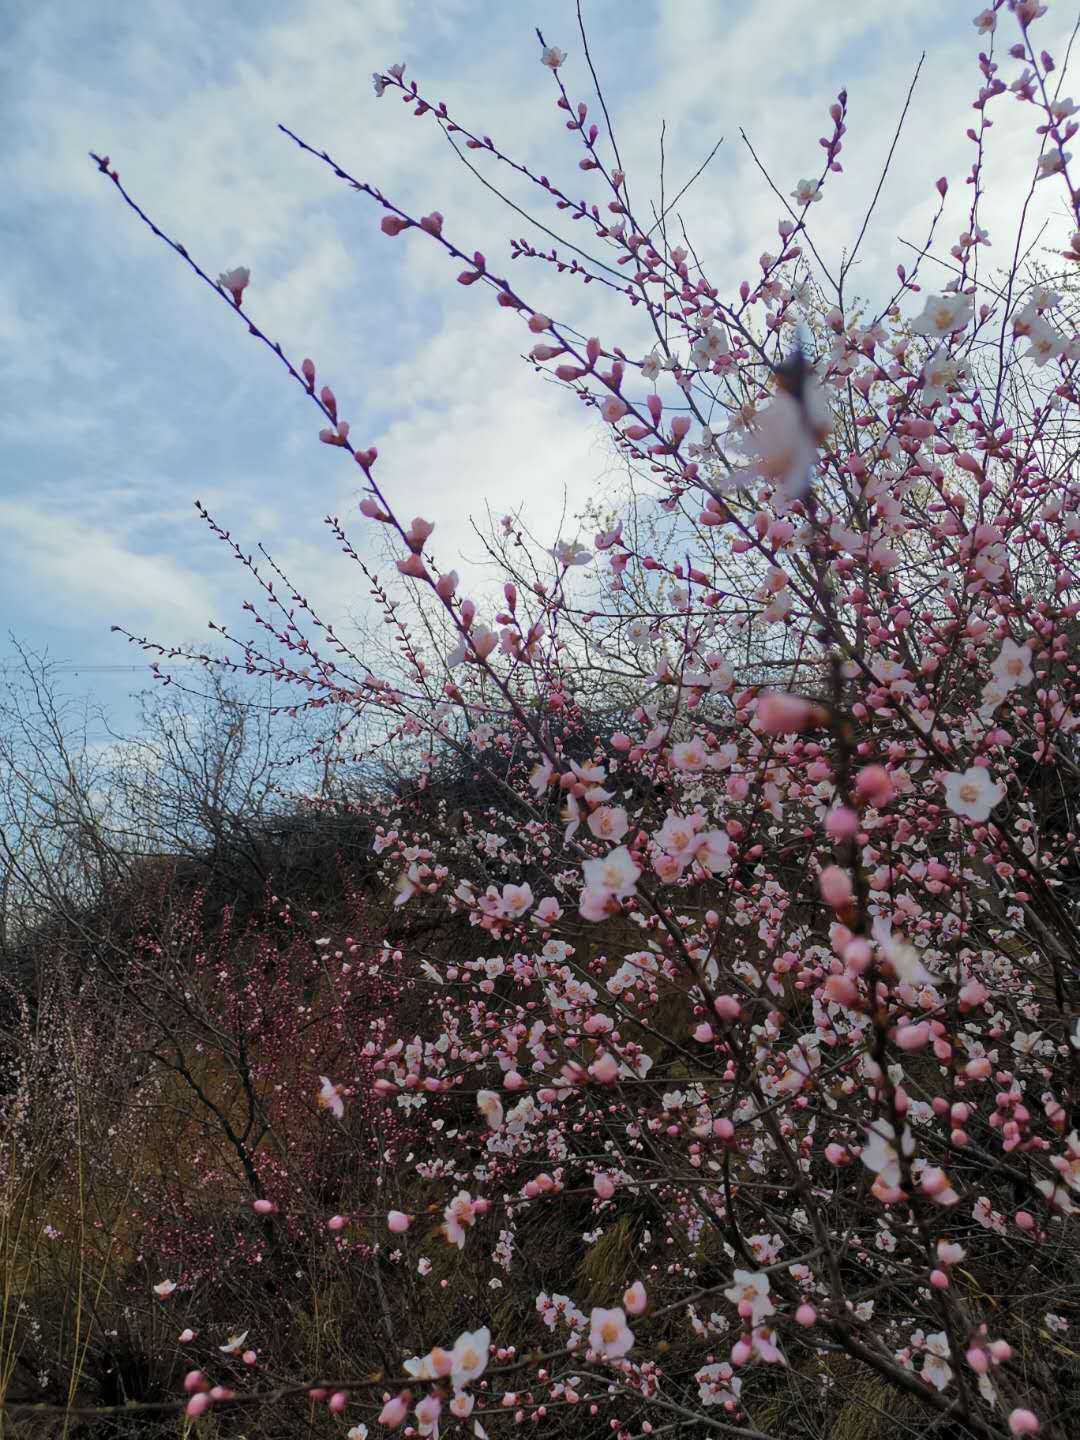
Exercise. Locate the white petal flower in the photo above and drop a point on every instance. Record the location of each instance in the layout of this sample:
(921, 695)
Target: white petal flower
(330, 1097)
(570, 552)
(1012, 667)
(972, 793)
(490, 1106)
(943, 315)
(470, 1356)
(616, 873)
(609, 1334)
(881, 1155)
(806, 192)
(751, 1287)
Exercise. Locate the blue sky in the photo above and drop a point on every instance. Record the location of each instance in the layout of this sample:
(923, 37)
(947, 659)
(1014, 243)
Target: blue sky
(131, 392)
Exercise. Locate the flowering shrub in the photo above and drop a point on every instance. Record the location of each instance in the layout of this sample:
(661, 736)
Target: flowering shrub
(754, 1096)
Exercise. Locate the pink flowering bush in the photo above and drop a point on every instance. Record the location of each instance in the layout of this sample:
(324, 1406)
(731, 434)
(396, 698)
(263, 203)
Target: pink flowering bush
(747, 1095)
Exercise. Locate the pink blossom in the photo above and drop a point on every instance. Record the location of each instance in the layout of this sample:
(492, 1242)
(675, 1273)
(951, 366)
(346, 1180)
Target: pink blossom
(616, 874)
(235, 282)
(490, 1106)
(330, 1097)
(609, 822)
(458, 1217)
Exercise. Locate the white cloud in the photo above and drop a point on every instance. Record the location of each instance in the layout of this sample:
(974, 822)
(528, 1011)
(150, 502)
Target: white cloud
(91, 571)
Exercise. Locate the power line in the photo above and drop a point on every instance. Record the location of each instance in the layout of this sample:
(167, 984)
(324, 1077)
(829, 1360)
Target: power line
(96, 669)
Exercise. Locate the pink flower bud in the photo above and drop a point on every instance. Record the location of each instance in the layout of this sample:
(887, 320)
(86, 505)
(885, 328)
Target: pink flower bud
(264, 1207)
(1024, 1422)
(703, 1033)
(635, 1299)
(836, 887)
(338, 1401)
(972, 994)
(604, 1069)
(913, 1037)
(197, 1405)
(195, 1381)
(841, 989)
(394, 224)
(727, 1007)
(604, 1186)
(805, 1315)
(394, 1411)
(398, 1222)
(874, 784)
(336, 1222)
(780, 714)
(856, 954)
(841, 823)
(432, 223)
